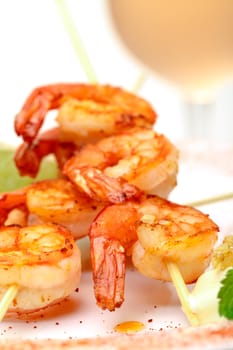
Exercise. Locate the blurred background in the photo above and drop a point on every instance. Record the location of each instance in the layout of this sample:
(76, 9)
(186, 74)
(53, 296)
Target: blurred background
(37, 49)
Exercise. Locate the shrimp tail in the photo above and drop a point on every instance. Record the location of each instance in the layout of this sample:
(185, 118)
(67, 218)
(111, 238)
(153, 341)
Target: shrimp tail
(11, 200)
(27, 160)
(30, 119)
(108, 272)
(112, 235)
(99, 186)
(28, 156)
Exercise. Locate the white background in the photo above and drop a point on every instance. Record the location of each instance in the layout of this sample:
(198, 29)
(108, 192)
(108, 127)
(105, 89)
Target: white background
(36, 50)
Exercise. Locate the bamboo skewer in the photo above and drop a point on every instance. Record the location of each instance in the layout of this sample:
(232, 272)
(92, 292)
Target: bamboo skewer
(211, 200)
(182, 292)
(139, 82)
(7, 300)
(76, 41)
(81, 51)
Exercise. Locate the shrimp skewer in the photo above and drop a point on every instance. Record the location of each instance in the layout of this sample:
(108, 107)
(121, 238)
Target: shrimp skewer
(56, 201)
(86, 114)
(39, 265)
(170, 234)
(120, 167)
(121, 106)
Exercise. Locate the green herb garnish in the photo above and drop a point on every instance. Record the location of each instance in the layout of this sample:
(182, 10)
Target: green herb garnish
(225, 296)
(10, 178)
(223, 254)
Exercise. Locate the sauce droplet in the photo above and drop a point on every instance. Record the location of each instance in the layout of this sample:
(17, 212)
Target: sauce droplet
(129, 327)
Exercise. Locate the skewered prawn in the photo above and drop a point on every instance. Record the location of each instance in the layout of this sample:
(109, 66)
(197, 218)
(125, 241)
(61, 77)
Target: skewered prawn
(56, 201)
(120, 167)
(108, 109)
(87, 113)
(155, 232)
(40, 263)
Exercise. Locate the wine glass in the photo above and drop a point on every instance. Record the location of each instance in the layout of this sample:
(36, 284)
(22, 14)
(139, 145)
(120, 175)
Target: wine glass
(188, 43)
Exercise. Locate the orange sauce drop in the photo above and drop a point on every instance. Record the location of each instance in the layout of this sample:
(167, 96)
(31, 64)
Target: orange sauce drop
(129, 327)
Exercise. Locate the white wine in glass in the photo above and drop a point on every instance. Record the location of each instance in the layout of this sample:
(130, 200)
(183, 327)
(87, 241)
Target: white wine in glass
(186, 42)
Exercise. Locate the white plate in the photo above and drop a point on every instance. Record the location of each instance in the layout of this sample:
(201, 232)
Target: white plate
(204, 171)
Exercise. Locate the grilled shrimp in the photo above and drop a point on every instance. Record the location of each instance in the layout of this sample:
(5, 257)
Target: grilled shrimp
(42, 263)
(155, 232)
(107, 108)
(122, 166)
(56, 201)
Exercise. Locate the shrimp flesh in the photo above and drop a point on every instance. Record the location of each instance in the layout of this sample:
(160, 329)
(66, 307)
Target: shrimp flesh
(56, 201)
(89, 121)
(122, 166)
(42, 261)
(105, 106)
(155, 232)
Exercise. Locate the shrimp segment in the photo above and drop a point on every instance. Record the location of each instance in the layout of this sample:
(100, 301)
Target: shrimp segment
(43, 261)
(176, 234)
(115, 167)
(89, 121)
(60, 202)
(155, 231)
(56, 201)
(123, 105)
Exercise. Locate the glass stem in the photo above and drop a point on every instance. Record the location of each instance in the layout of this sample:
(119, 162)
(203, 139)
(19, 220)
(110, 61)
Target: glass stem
(199, 120)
